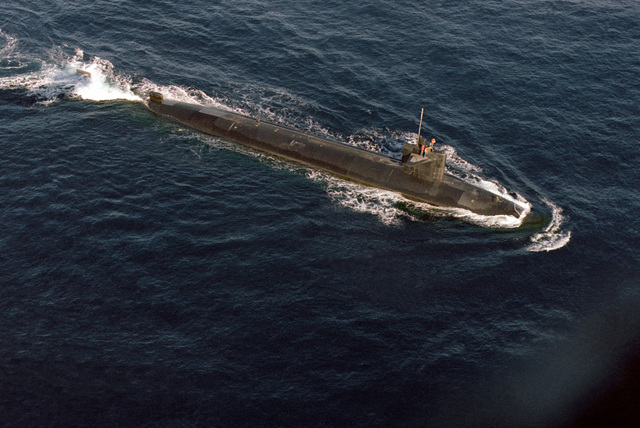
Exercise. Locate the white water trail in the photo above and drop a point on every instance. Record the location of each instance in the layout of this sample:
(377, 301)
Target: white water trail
(553, 237)
(48, 80)
(104, 84)
(385, 204)
(9, 46)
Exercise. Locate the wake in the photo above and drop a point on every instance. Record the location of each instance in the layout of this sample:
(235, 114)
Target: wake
(50, 81)
(553, 236)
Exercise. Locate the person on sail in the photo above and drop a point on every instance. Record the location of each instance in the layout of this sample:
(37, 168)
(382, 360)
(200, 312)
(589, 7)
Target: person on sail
(424, 149)
(422, 146)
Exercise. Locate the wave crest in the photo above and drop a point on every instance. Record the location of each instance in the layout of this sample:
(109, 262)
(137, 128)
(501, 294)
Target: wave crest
(553, 236)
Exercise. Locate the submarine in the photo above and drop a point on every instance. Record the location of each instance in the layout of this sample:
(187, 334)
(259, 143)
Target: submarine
(418, 176)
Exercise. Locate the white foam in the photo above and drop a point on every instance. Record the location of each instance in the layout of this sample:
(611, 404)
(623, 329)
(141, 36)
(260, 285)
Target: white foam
(24, 72)
(103, 85)
(185, 95)
(59, 77)
(9, 46)
(552, 237)
(26, 80)
(453, 159)
(380, 203)
(384, 204)
(48, 81)
(359, 198)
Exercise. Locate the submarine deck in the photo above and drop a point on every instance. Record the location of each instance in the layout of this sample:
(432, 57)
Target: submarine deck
(420, 179)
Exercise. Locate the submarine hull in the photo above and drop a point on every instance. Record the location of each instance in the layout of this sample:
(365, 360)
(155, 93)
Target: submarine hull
(417, 178)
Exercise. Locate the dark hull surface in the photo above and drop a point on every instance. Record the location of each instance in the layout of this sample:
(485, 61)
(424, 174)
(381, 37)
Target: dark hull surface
(340, 159)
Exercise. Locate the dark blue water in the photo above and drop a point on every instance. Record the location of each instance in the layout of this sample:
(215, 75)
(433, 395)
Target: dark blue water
(153, 276)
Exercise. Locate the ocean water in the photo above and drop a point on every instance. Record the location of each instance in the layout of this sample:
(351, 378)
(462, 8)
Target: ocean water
(154, 276)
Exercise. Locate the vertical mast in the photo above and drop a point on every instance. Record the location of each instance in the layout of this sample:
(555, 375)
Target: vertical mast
(420, 127)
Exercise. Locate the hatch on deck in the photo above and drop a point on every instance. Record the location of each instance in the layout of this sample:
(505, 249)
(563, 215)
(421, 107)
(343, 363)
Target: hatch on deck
(156, 97)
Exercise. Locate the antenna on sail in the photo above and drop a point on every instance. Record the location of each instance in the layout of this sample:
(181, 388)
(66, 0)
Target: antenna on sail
(420, 127)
